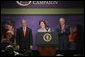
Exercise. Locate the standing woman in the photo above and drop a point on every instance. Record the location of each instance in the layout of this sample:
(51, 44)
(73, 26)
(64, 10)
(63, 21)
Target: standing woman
(47, 50)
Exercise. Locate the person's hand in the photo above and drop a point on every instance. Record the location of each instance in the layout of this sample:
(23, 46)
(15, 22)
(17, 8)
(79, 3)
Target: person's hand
(63, 31)
(31, 47)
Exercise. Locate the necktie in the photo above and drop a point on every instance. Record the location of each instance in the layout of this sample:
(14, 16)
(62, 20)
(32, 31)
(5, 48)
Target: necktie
(24, 32)
(62, 28)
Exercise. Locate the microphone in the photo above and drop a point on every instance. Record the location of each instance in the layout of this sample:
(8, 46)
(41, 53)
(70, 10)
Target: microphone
(47, 28)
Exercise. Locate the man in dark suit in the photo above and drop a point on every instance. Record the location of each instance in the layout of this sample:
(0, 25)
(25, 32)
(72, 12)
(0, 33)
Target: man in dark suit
(24, 38)
(63, 31)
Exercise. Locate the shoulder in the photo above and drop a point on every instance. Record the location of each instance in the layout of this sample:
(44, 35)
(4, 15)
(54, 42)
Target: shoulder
(66, 25)
(49, 29)
(58, 26)
(28, 28)
(39, 30)
(19, 28)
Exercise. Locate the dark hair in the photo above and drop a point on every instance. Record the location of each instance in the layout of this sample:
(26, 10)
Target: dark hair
(42, 21)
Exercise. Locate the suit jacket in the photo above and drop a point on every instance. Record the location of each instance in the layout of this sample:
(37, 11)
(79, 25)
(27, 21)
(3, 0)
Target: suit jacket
(26, 41)
(66, 29)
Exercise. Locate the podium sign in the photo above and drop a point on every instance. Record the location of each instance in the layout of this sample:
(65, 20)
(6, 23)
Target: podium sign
(47, 39)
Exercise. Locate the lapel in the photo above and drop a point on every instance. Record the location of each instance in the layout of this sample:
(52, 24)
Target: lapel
(22, 33)
(60, 27)
(26, 32)
(64, 26)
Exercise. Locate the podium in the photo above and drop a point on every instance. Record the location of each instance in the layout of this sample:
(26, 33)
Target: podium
(47, 43)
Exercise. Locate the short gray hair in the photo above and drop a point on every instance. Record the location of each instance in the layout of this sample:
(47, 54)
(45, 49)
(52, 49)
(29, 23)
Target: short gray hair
(62, 19)
(23, 20)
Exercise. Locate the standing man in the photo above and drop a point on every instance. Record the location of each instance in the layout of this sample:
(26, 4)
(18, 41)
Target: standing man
(24, 38)
(63, 32)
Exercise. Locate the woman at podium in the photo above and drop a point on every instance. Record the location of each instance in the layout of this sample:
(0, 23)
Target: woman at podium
(45, 50)
(43, 28)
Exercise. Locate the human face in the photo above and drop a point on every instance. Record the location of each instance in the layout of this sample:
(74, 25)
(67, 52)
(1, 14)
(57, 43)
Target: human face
(23, 23)
(42, 25)
(62, 21)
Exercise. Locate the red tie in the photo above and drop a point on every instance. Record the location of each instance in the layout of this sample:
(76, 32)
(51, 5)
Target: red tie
(24, 32)
(62, 28)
